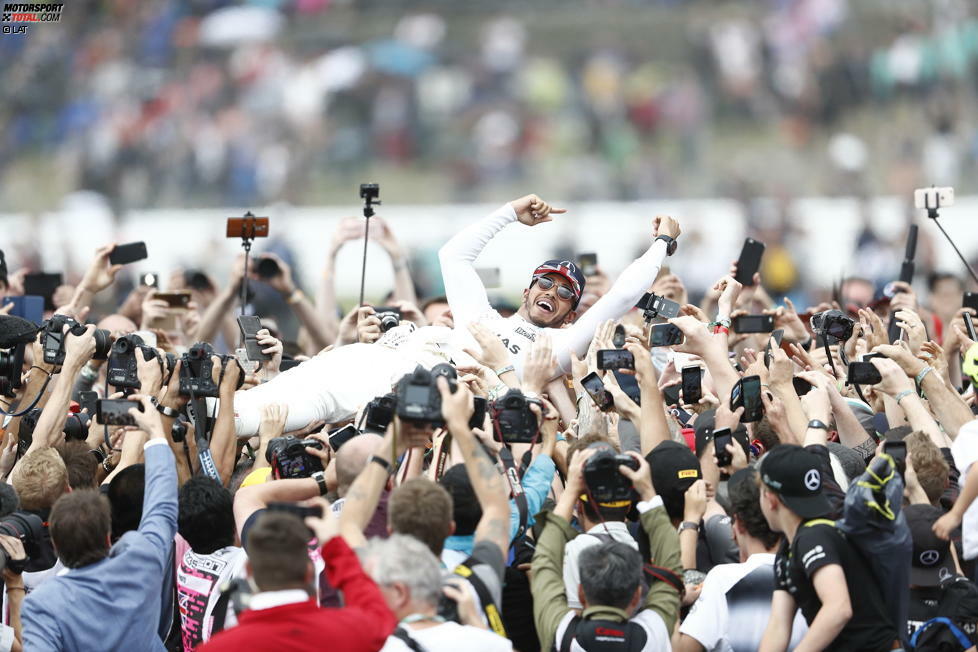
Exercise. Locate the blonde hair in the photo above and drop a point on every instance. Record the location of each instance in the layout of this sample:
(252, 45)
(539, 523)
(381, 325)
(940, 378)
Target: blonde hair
(41, 479)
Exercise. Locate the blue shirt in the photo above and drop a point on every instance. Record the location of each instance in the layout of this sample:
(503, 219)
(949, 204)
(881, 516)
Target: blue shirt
(113, 604)
(536, 485)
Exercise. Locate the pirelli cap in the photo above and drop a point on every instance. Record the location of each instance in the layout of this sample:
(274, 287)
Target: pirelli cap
(674, 470)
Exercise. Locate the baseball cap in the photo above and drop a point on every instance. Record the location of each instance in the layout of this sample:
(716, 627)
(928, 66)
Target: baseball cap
(796, 476)
(674, 470)
(931, 563)
(705, 425)
(568, 270)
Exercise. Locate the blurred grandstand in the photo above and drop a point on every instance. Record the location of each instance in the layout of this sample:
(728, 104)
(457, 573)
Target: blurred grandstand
(196, 103)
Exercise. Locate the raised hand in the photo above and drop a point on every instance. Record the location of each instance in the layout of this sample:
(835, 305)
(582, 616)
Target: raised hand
(100, 274)
(493, 354)
(531, 210)
(540, 365)
(665, 225)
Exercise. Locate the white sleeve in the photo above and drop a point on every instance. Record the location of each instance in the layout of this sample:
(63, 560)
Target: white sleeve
(622, 297)
(463, 287)
(707, 618)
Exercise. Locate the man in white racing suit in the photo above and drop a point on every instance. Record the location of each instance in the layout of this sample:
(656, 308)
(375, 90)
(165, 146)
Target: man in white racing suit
(334, 384)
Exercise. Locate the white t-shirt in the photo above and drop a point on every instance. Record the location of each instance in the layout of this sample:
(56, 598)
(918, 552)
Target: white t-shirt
(965, 453)
(572, 550)
(740, 594)
(199, 581)
(450, 637)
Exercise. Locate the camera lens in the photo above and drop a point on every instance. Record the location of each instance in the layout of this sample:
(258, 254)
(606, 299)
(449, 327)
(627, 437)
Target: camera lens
(388, 320)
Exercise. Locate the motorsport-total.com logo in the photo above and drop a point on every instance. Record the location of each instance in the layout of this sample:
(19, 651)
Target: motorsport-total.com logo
(30, 12)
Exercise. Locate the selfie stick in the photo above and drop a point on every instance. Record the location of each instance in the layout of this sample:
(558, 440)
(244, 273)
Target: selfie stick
(932, 214)
(247, 235)
(368, 211)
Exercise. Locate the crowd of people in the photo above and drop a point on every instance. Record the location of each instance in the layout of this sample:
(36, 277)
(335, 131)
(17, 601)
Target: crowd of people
(605, 466)
(183, 104)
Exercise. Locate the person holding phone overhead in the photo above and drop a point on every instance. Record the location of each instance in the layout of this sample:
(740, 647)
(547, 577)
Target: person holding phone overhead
(316, 391)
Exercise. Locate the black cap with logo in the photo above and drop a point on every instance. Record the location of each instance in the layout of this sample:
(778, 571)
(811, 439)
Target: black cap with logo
(932, 562)
(795, 474)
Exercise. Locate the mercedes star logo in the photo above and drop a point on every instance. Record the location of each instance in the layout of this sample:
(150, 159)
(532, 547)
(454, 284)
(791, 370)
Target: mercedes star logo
(929, 557)
(813, 480)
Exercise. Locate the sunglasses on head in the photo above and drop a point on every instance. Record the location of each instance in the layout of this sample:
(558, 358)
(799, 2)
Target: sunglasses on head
(563, 291)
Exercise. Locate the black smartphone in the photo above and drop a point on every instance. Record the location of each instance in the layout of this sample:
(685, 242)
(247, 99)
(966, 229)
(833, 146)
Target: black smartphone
(897, 449)
(300, 511)
(863, 373)
(749, 261)
(969, 328)
(478, 419)
(115, 411)
(30, 308)
(773, 342)
(588, 264)
(747, 394)
(652, 306)
(802, 386)
(179, 299)
(128, 253)
(752, 324)
(618, 339)
(722, 437)
(267, 267)
(970, 300)
(594, 387)
(615, 359)
(342, 435)
(670, 394)
(88, 401)
(665, 335)
(150, 279)
(692, 384)
(250, 325)
(682, 416)
(43, 285)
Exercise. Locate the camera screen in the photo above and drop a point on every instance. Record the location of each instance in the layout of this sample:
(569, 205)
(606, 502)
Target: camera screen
(666, 335)
(615, 359)
(417, 394)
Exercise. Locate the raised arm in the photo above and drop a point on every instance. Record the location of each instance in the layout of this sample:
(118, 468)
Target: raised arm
(364, 494)
(403, 285)
(159, 521)
(321, 332)
(224, 442)
(249, 500)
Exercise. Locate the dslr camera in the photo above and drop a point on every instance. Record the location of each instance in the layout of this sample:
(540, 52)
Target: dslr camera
(288, 457)
(379, 413)
(53, 339)
(75, 428)
(29, 529)
(197, 369)
(11, 363)
(515, 422)
(121, 369)
(417, 393)
(833, 324)
(603, 479)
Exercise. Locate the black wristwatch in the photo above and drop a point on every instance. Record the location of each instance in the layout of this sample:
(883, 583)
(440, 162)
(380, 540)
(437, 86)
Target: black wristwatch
(818, 425)
(671, 244)
(165, 411)
(320, 479)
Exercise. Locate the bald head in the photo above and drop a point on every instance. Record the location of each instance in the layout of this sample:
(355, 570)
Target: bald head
(117, 324)
(352, 458)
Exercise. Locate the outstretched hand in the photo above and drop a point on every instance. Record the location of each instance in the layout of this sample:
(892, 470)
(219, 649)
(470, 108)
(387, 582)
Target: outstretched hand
(531, 210)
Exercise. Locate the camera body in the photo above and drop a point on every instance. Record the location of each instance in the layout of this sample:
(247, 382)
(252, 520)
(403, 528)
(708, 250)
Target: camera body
(389, 317)
(370, 192)
(603, 479)
(418, 398)
(75, 428)
(834, 324)
(515, 423)
(121, 368)
(652, 306)
(11, 363)
(196, 371)
(379, 413)
(53, 339)
(29, 529)
(289, 459)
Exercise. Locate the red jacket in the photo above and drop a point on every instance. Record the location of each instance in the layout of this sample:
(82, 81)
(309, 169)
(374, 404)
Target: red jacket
(363, 624)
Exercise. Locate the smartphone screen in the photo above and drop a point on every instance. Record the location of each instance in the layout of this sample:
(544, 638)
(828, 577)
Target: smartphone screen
(43, 285)
(594, 386)
(670, 394)
(174, 299)
(115, 411)
(801, 385)
(128, 253)
(721, 438)
(747, 394)
(588, 264)
(898, 451)
(342, 435)
(30, 308)
(665, 335)
(970, 300)
(752, 324)
(478, 419)
(249, 326)
(88, 401)
(692, 385)
(615, 359)
(749, 262)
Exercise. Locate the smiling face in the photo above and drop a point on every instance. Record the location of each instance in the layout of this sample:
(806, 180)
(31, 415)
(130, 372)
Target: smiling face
(545, 308)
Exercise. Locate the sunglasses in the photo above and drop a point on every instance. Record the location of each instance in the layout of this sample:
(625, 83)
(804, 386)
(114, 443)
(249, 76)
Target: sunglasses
(563, 291)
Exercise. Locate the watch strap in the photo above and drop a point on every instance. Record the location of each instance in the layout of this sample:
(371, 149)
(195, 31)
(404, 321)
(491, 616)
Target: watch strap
(688, 525)
(320, 479)
(818, 425)
(167, 411)
(384, 463)
(671, 243)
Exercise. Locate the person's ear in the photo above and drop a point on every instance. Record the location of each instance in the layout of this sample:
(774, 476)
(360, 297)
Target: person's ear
(451, 528)
(580, 596)
(636, 599)
(526, 293)
(569, 317)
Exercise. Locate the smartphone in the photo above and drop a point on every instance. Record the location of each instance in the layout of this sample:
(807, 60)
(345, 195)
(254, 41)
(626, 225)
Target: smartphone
(588, 264)
(682, 416)
(802, 386)
(43, 285)
(933, 197)
(115, 411)
(969, 328)
(247, 227)
(89, 401)
(180, 299)
(749, 261)
(747, 394)
(618, 339)
(285, 365)
(665, 335)
(27, 307)
(595, 389)
(615, 359)
(897, 449)
(128, 253)
(773, 342)
(478, 419)
(863, 373)
(670, 394)
(489, 276)
(652, 306)
(970, 300)
(150, 280)
(752, 324)
(299, 511)
(342, 435)
(692, 384)
(721, 438)
(250, 325)
(266, 267)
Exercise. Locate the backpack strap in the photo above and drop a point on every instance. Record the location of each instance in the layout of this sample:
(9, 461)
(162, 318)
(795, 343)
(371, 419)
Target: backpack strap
(489, 606)
(401, 634)
(962, 639)
(220, 611)
(568, 638)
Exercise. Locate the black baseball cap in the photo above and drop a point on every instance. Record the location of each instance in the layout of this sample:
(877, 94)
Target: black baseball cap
(795, 474)
(931, 563)
(674, 470)
(705, 425)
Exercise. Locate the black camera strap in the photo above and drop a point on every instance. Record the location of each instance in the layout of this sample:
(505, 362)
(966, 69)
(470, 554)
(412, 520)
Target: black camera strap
(515, 489)
(489, 608)
(444, 450)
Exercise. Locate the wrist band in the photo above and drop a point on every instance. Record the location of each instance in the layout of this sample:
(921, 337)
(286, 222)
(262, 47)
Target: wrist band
(923, 373)
(902, 395)
(295, 297)
(506, 369)
(721, 329)
(384, 463)
(166, 411)
(721, 321)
